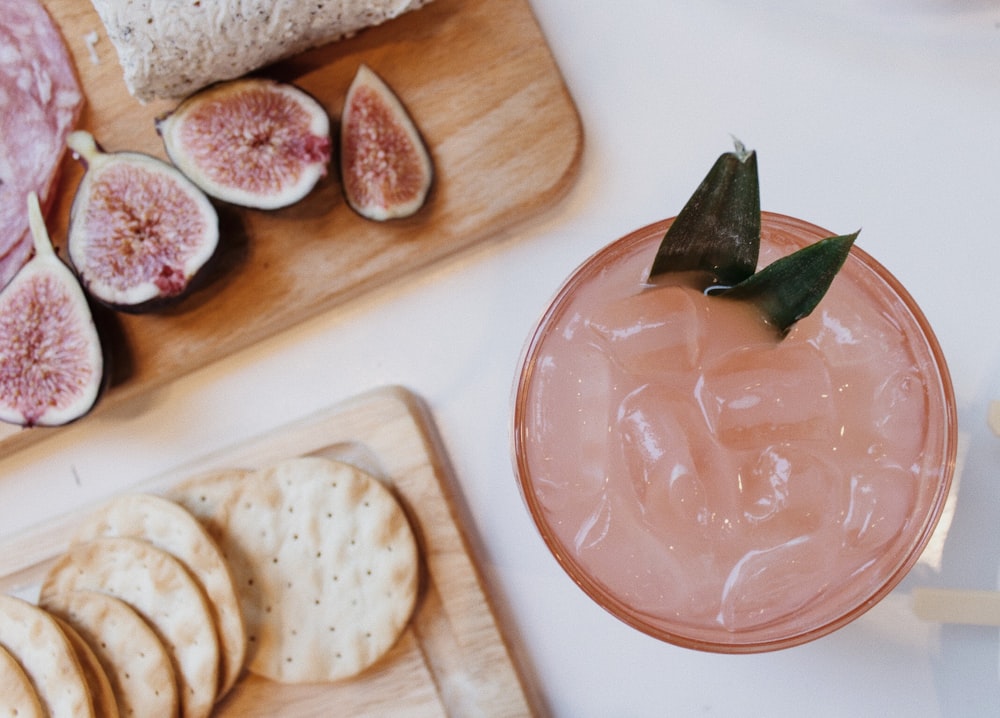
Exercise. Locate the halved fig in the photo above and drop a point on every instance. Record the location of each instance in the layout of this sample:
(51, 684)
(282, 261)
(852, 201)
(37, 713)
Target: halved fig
(139, 230)
(252, 142)
(384, 164)
(51, 358)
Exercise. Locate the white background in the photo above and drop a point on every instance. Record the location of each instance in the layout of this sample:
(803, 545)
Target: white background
(878, 114)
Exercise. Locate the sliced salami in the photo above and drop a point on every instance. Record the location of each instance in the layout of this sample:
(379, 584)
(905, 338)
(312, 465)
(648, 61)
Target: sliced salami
(40, 103)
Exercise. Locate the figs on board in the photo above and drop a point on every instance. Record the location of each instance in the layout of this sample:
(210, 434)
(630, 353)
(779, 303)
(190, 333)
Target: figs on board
(384, 164)
(51, 358)
(140, 231)
(252, 142)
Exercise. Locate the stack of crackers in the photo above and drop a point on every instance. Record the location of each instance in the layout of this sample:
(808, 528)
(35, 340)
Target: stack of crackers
(302, 571)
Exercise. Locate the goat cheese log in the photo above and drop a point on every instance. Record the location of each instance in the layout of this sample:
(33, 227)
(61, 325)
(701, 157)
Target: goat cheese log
(168, 49)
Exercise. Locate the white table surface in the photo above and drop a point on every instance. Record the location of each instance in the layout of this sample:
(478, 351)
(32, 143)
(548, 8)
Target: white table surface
(879, 114)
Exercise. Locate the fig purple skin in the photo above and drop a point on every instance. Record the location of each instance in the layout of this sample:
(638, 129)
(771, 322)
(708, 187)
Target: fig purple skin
(385, 167)
(252, 142)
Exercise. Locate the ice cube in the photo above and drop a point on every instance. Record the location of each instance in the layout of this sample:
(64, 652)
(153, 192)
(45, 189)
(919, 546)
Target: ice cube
(881, 500)
(570, 422)
(898, 408)
(652, 331)
(594, 527)
(658, 574)
(658, 457)
(768, 584)
(851, 335)
(761, 393)
(679, 473)
(792, 488)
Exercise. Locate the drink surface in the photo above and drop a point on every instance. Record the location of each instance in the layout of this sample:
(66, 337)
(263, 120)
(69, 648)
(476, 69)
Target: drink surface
(707, 480)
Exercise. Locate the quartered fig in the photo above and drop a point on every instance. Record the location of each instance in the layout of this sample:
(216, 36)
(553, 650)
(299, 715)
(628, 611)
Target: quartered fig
(139, 230)
(51, 358)
(252, 142)
(384, 164)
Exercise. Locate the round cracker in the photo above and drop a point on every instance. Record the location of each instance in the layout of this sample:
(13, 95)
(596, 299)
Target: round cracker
(168, 526)
(17, 696)
(133, 657)
(325, 563)
(34, 638)
(94, 674)
(158, 587)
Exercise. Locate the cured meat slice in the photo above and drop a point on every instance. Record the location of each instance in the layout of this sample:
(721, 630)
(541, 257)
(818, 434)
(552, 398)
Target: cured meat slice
(40, 103)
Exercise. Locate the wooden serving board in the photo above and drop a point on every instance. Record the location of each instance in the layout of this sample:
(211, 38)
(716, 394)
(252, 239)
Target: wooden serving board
(451, 661)
(505, 136)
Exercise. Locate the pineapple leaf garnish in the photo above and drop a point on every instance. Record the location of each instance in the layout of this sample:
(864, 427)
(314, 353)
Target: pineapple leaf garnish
(717, 233)
(789, 288)
(718, 230)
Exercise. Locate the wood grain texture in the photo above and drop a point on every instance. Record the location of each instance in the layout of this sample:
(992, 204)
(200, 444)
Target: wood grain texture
(453, 659)
(479, 80)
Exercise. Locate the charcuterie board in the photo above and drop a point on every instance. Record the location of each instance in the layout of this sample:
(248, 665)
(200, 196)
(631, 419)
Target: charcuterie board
(478, 78)
(453, 659)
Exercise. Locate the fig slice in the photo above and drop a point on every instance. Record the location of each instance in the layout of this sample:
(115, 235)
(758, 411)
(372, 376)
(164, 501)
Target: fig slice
(384, 164)
(51, 358)
(140, 231)
(252, 142)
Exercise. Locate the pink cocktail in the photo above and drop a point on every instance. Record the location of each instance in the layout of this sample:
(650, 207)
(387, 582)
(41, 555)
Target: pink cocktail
(717, 487)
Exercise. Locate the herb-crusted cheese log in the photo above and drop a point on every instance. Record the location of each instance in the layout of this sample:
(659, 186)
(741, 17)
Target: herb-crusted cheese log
(168, 49)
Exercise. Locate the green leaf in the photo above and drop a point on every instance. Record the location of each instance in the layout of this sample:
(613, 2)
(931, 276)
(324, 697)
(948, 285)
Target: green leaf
(789, 288)
(718, 230)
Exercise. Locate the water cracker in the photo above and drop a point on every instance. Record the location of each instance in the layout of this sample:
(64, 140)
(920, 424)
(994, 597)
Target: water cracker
(101, 693)
(35, 639)
(17, 696)
(133, 657)
(324, 559)
(168, 526)
(158, 587)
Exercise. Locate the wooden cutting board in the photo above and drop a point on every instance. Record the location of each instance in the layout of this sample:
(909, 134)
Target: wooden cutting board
(451, 661)
(481, 83)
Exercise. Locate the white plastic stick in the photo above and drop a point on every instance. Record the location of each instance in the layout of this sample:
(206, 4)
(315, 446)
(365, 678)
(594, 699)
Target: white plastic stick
(946, 605)
(994, 417)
